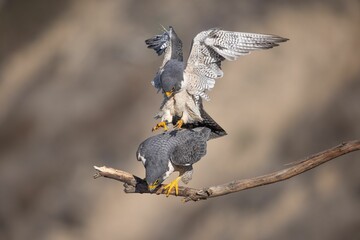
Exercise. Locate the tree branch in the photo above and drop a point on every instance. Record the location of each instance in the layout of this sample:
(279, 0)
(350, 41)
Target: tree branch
(134, 184)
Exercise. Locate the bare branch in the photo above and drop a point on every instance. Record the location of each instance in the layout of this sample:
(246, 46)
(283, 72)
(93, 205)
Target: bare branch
(134, 184)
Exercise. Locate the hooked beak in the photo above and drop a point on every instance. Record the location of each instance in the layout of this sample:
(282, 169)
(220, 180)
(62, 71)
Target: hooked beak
(168, 94)
(152, 187)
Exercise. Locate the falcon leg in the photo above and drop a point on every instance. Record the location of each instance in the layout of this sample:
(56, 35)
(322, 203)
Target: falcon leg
(171, 185)
(160, 125)
(179, 123)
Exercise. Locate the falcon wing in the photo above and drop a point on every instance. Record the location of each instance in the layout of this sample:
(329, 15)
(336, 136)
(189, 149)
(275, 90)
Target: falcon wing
(192, 146)
(211, 47)
(159, 43)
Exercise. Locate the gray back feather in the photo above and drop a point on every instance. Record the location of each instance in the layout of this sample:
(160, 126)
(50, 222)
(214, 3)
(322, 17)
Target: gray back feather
(191, 146)
(155, 152)
(182, 147)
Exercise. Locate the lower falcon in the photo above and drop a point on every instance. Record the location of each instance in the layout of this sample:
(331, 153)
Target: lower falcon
(176, 150)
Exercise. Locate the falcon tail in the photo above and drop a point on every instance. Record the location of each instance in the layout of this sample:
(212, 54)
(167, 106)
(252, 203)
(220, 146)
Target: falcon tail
(216, 130)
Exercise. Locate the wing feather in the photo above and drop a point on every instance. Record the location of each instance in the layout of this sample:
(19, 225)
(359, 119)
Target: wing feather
(159, 43)
(211, 47)
(191, 146)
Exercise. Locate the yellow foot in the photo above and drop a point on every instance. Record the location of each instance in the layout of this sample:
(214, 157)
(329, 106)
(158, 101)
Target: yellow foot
(179, 123)
(160, 125)
(171, 185)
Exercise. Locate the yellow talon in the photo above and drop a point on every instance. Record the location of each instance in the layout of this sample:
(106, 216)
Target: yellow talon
(179, 123)
(160, 125)
(171, 185)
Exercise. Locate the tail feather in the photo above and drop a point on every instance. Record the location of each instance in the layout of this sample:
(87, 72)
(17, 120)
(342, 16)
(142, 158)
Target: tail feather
(216, 130)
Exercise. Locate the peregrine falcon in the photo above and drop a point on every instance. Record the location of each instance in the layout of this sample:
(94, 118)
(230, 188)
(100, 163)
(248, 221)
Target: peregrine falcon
(176, 150)
(184, 87)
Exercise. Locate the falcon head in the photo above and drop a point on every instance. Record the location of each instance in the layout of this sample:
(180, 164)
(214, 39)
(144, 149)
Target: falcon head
(154, 177)
(157, 171)
(167, 42)
(157, 168)
(171, 79)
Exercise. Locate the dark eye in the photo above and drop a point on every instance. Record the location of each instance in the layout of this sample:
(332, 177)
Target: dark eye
(173, 89)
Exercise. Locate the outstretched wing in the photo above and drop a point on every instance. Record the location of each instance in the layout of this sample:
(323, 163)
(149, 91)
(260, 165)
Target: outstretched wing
(211, 47)
(169, 44)
(159, 43)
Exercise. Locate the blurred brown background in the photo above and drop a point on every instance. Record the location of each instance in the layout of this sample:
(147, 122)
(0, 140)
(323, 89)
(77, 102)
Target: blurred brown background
(75, 92)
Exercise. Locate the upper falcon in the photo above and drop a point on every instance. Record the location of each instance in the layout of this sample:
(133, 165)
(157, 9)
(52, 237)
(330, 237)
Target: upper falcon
(184, 86)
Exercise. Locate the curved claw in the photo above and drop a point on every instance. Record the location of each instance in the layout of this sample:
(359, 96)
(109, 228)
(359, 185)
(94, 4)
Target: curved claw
(179, 123)
(171, 185)
(160, 125)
